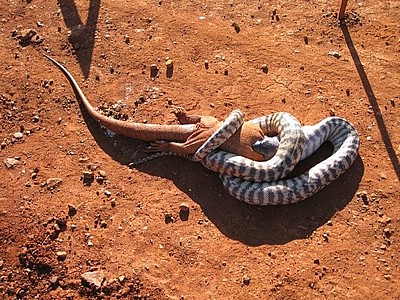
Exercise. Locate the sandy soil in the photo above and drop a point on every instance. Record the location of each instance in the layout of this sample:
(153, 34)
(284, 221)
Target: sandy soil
(263, 56)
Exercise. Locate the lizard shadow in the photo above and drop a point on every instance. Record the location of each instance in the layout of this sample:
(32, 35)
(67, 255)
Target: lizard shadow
(251, 225)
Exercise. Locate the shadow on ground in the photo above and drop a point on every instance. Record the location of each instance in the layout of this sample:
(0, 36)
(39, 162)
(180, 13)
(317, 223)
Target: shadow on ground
(251, 225)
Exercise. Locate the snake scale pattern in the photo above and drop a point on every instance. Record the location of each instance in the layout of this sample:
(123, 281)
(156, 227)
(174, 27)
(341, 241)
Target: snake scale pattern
(345, 141)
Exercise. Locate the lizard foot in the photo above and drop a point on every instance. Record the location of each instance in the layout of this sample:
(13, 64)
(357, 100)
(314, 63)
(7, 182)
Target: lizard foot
(181, 114)
(158, 146)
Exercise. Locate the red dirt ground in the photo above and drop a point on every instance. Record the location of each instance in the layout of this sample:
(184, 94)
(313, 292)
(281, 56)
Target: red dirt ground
(342, 243)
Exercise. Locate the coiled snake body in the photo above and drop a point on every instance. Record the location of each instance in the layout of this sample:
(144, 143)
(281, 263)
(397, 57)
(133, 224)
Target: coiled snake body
(345, 141)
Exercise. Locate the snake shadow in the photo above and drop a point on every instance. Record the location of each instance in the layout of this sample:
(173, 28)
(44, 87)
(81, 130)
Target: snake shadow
(251, 225)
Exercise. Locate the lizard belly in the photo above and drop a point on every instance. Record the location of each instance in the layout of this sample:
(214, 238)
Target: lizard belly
(241, 141)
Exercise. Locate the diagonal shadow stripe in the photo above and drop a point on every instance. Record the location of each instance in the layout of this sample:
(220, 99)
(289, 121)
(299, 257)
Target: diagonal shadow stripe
(372, 100)
(82, 35)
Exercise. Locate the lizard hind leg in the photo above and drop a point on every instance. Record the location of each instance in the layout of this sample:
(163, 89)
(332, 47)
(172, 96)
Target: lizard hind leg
(183, 117)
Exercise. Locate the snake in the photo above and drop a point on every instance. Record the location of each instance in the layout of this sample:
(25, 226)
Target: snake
(345, 140)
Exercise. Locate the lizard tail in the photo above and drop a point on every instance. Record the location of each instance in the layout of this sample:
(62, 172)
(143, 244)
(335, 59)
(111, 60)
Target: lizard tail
(157, 155)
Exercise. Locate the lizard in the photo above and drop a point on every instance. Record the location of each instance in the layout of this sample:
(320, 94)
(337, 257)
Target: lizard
(182, 139)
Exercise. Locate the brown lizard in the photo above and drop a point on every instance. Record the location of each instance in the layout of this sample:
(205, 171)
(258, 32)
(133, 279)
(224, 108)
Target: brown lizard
(183, 139)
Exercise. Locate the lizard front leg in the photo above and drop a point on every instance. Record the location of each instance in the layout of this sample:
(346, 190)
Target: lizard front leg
(183, 117)
(166, 146)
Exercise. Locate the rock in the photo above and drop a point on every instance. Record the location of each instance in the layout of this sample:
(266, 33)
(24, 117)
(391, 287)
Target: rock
(54, 280)
(335, 54)
(206, 64)
(107, 193)
(35, 119)
(153, 70)
(93, 279)
(88, 178)
(3, 145)
(53, 183)
(1, 264)
(388, 277)
(169, 63)
(71, 210)
(264, 68)
(246, 279)
(184, 207)
(236, 27)
(102, 173)
(168, 218)
(11, 162)
(61, 255)
(103, 224)
(332, 112)
(364, 196)
(113, 203)
(18, 135)
(388, 233)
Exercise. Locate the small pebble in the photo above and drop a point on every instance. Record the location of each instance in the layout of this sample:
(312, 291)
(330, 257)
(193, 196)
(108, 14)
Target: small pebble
(226, 72)
(246, 280)
(206, 64)
(113, 203)
(71, 210)
(332, 112)
(184, 207)
(388, 233)
(54, 281)
(10, 162)
(168, 217)
(153, 70)
(264, 68)
(88, 177)
(169, 63)
(107, 193)
(335, 54)
(93, 279)
(18, 135)
(61, 255)
(53, 182)
(236, 27)
(103, 224)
